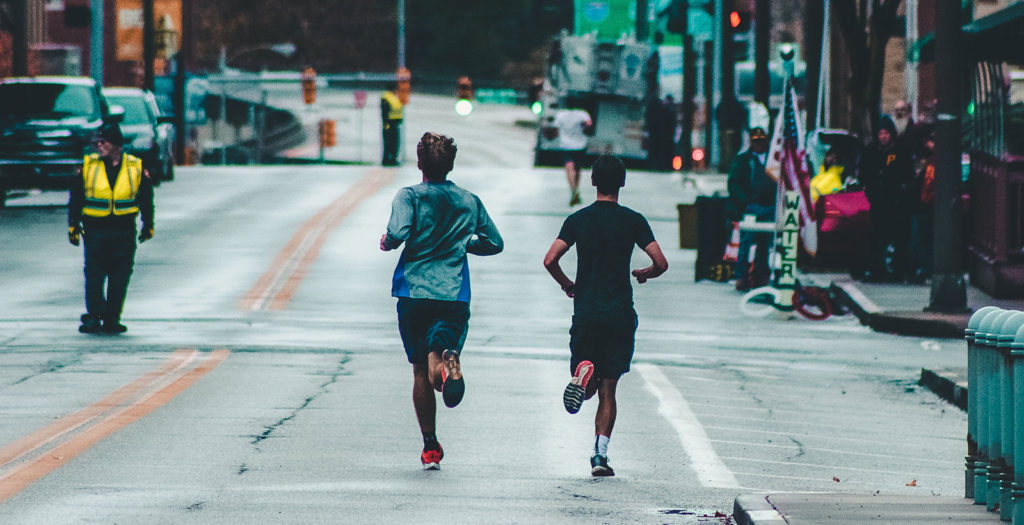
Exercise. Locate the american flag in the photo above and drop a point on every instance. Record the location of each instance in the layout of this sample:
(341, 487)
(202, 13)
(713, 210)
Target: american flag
(786, 164)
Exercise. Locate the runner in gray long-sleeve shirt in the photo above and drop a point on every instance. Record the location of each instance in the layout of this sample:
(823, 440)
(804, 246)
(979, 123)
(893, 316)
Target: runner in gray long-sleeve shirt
(440, 223)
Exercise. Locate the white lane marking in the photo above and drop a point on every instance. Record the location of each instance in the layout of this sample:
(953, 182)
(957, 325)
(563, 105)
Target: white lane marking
(710, 469)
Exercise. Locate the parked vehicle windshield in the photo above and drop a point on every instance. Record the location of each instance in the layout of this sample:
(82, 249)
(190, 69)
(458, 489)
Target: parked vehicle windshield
(48, 101)
(135, 109)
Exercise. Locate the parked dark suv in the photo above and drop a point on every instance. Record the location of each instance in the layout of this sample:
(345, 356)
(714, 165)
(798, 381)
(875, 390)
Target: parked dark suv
(46, 125)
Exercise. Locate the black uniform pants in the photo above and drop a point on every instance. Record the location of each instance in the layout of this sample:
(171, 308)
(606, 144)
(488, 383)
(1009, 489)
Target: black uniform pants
(109, 257)
(890, 237)
(391, 138)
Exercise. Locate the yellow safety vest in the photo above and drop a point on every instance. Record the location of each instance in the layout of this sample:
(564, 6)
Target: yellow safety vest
(100, 200)
(395, 111)
(826, 182)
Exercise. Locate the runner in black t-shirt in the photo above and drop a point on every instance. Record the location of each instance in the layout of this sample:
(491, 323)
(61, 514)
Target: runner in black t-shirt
(604, 322)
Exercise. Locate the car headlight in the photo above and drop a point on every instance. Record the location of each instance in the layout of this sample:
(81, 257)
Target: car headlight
(142, 143)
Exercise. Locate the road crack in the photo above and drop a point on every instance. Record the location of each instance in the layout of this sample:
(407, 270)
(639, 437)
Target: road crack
(331, 379)
(53, 365)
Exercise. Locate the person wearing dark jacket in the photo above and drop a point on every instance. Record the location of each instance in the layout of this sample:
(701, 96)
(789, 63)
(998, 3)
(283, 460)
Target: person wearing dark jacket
(752, 192)
(108, 194)
(887, 173)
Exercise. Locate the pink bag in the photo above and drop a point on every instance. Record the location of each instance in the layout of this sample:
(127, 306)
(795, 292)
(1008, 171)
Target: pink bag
(844, 228)
(843, 211)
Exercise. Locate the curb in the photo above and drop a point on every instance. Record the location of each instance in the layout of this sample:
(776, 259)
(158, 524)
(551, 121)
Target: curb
(948, 384)
(755, 509)
(913, 323)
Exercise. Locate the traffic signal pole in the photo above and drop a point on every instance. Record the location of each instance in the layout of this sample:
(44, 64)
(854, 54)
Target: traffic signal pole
(762, 42)
(948, 291)
(642, 25)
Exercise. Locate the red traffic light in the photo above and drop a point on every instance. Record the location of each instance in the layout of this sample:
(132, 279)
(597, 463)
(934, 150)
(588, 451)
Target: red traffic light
(739, 21)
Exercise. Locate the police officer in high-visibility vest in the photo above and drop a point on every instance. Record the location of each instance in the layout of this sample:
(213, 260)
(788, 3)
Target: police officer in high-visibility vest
(391, 115)
(108, 193)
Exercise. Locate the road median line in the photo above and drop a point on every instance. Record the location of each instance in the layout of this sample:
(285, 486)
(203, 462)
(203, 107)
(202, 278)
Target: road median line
(28, 459)
(275, 288)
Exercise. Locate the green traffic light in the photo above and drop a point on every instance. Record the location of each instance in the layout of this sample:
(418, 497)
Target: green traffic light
(537, 108)
(463, 107)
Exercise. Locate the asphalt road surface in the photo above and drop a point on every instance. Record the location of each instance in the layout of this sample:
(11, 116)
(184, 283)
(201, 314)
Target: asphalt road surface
(262, 379)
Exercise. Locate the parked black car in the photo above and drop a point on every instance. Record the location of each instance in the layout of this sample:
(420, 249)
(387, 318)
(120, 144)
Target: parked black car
(148, 133)
(46, 127)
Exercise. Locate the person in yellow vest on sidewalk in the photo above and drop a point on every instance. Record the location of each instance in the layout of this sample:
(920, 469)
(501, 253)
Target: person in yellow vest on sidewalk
(391, 115)
(108, 193)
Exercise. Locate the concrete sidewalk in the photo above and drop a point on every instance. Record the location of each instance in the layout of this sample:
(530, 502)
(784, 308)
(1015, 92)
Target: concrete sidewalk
(856, 509)
(899, 309)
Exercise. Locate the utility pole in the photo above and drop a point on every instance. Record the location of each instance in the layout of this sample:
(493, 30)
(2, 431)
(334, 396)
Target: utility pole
(19, 14)
(148, 44)
(730, 114)
(714, 127)
(762, 42)
(401, 33)
(948, 292)
(96, 40)
(183, 60)
(814, 49)
(641, 21)
(689, 93)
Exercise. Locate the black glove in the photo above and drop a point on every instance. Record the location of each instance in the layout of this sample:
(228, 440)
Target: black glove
(146, 233)
(74, 234)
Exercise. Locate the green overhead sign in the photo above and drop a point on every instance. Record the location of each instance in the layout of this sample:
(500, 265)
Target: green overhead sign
(610, 19)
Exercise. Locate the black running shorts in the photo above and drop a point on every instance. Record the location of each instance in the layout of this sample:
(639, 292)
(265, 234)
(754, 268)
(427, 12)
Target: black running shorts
(575, 156)
(608, 343)
(429, 325)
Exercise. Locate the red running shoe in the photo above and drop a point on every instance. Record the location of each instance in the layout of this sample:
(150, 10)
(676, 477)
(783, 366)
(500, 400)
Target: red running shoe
(576, 390)
(431, 459)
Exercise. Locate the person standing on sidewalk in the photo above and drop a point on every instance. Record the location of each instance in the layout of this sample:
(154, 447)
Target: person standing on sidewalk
(887, 172)
(604, 321)
(391, 115)
(752, 192)
(440, 223)
(573, 125)
(108, 193)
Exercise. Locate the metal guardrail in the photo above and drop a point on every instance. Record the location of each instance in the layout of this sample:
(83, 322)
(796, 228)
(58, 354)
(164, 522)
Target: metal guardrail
(994, 474)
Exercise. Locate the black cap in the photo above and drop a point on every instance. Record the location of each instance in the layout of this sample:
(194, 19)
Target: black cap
(758, 133)
(111, 133)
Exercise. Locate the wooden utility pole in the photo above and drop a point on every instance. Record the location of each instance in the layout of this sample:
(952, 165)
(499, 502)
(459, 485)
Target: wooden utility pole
(949, 291)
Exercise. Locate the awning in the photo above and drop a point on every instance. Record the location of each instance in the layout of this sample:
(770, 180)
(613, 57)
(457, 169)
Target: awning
(998, 37)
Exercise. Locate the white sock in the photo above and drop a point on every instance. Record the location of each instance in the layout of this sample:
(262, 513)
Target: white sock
(601, 445)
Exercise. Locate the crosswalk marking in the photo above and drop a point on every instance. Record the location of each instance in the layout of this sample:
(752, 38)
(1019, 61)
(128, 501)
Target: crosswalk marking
(711, 471)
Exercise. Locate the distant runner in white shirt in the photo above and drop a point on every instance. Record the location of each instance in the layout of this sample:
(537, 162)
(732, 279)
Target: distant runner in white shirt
(573, 125)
